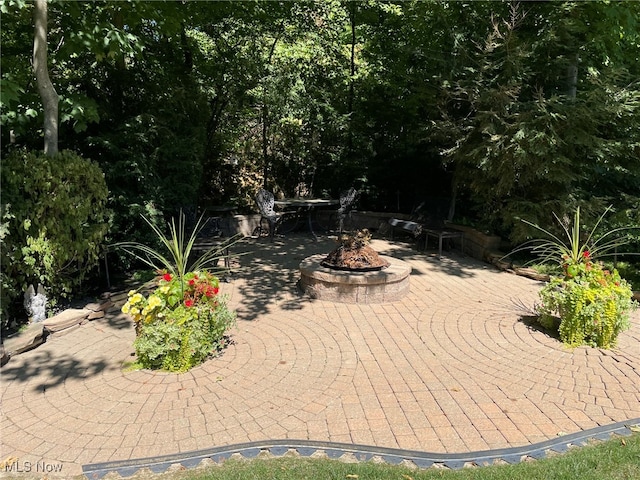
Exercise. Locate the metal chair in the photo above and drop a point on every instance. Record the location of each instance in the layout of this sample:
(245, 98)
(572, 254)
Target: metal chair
(266, 201)
(347, 199)
(434, 223)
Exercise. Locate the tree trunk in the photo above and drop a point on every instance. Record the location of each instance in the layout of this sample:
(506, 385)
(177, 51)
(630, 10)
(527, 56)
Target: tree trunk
(45, 87)
(265, 148)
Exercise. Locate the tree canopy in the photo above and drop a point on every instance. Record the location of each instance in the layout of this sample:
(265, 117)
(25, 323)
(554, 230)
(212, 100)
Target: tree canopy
(510, 109)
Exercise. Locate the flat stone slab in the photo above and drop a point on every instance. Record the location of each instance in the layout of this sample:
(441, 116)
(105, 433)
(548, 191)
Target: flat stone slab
(387, 285)
(99, 307)
(29, 338)
(66, 319)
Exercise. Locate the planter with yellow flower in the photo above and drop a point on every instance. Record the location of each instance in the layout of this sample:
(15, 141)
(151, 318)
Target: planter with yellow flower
(183, 320)
(181, 323)
(587, 304)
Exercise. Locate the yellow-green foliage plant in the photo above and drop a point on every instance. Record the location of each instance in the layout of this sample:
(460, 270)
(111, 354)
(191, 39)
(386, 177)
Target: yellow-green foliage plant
(592, 303)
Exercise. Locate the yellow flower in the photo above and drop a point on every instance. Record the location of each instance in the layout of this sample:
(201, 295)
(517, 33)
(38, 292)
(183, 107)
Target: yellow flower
(164, 289)
(154, 301)
(126, 308)
(136, 298)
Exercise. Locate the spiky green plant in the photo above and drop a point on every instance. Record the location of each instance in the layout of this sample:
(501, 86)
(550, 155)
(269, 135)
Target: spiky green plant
(555, 249)
(178, 249)
(593, 303)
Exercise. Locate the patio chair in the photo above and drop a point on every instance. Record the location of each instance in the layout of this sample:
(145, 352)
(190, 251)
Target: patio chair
(347, 199)
(266, 201)
(427, 220)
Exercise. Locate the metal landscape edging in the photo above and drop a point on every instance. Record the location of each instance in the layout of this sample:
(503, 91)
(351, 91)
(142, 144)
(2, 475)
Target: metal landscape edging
(361, 453)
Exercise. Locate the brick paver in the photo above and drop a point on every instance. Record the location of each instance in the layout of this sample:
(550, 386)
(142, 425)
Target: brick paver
(455, 366)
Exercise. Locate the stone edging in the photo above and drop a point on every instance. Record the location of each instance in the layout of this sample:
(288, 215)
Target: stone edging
(36, 334)
(359, 453)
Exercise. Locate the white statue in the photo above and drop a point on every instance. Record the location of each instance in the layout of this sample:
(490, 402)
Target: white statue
(35, 304)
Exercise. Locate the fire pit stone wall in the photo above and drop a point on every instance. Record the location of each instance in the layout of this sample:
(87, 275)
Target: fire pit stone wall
(387, 285)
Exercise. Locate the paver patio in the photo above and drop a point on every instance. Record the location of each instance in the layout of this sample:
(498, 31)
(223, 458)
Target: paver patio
(454, 366)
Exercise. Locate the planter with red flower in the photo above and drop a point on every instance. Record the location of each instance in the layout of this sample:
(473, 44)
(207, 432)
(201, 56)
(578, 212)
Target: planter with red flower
(593, 304)
(181, 323)
(184, 318)
(587, 304)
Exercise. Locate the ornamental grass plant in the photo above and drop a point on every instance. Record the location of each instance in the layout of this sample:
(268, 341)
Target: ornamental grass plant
(592, 303)
(183, 320)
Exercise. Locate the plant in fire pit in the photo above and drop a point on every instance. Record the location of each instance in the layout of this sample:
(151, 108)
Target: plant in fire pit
(354, 253)
(183, 319)
(592, 303)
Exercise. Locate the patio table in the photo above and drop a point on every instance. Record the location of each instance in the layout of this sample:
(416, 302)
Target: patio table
(308, 206)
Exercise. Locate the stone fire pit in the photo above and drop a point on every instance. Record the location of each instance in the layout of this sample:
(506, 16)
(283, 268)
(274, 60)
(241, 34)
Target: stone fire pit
(355, 273)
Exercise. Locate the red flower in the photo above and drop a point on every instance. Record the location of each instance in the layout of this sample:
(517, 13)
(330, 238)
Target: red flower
(586, 254)
(192, 282)
(211, 291)
(166, 277)
(188, 303)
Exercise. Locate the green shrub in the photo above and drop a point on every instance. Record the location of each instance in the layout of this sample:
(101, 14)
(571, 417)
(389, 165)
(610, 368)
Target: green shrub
(54, 221)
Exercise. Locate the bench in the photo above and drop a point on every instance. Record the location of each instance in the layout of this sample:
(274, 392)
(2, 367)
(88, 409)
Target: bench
(407, 226)
(418, 230)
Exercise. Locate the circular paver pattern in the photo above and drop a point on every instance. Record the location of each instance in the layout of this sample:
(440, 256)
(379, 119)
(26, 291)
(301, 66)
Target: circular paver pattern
(455, 366)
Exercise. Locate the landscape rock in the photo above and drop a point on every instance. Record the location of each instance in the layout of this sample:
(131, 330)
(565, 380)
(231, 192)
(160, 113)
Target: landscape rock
(95, 315)
(66, 319)
(99, 307)
(33, 336)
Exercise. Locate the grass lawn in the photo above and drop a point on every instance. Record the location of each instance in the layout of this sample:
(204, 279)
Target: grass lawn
(616, 459)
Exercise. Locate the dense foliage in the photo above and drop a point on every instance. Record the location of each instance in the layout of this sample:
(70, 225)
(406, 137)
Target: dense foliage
(497, 110)
(54, 221)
